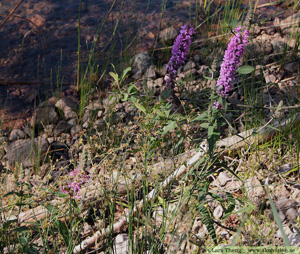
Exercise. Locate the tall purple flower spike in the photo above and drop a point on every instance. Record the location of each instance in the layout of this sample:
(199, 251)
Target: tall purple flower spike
(231, 60)
(179, 53)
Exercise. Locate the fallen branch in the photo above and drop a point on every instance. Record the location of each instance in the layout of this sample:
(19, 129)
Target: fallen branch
(92, 193)
(224, 146)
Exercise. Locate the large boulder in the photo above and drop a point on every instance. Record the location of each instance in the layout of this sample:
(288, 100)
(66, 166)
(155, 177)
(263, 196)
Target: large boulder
(27, 151)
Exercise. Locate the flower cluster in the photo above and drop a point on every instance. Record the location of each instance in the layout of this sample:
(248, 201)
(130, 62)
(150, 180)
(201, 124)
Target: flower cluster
(179, 53)
(231, 60)
(217, 105)
(76, 185)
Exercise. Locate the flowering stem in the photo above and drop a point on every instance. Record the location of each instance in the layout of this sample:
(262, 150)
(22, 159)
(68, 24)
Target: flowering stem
(179, 55)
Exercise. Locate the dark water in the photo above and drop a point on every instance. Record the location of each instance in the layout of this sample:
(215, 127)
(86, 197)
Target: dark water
(38, 45)
(43, 35)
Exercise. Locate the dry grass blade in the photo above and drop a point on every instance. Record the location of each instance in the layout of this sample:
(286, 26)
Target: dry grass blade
(11, 13)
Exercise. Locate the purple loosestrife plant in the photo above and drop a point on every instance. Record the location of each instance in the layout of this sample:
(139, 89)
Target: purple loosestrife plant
(231, 60)
(179, 54)
(77, 182)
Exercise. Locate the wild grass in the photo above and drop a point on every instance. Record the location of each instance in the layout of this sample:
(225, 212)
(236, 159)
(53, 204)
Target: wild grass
(122, 153)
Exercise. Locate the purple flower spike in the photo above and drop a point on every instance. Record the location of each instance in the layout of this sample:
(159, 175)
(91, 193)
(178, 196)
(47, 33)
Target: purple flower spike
(217, 105)
(231, 60)
(179, 53)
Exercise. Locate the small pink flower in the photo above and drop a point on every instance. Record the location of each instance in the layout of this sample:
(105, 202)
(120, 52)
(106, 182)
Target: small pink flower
(217, 105)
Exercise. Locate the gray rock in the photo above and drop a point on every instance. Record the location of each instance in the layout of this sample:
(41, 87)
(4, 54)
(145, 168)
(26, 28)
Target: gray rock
(292, 214)
(261, 45)
(255, 191)
(75, 130)
(155, 84)
(69, 114)
(223, 178)
(197, 58)
(287, 232)
(218, 212)
(285, 168)
(168, 35)
(27, 152)
(16, 134)
(150, 72)
(28, 131)
(281, 191)
(283, 204)
(141, 62)
(43, 116)
(49, 130)
(67, 102)
(121, 244)
(189, 65)
(62, 127)
(108, 103)
(291, 67)
(163, 70)
(280, 46)
(158, 216)
(294, 239)
(290, 30)
(72, 121)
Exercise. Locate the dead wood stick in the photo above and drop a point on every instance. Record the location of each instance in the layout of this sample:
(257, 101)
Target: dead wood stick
(231, 143)
(122, 222)
(92, 193)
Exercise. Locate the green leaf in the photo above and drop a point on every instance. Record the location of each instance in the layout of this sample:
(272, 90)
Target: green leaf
(200, 117)
(234, 23)
(63, 230)
(128, 69)
(132, 89)
(139, 106)
(19, 194)
(23, 241)
(209, 78)
(165, 94)
(31, 250)
(125, 97)
(231, 207)
(7, 224)
(115, 76)
(161, 113)
(169, 127)
(204, 125)
(206, 219)
(246, 69)
(20, 229)
(179, 143)
(61, 194)
(51, 209)
(212, 138)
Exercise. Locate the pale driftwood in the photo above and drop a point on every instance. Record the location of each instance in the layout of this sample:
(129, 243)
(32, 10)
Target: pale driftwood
(92, 193)
(228, 144)
(122, 222)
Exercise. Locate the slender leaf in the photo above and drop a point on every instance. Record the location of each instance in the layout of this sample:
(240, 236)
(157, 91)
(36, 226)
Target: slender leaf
(245, 69)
